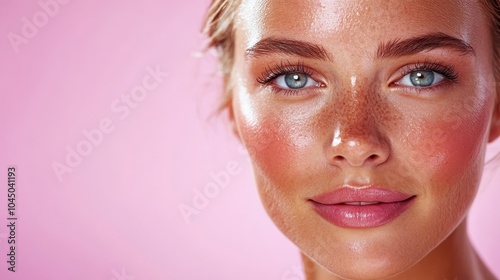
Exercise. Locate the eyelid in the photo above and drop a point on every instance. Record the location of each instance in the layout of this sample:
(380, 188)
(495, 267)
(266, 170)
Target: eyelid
(284, 67)
(281, 79)
(273, 72)
(443, 69)
(407, 78)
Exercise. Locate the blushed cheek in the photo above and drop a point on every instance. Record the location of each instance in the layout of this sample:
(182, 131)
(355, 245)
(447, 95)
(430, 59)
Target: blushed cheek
(449, 152)
(264, 144)
(278, 146)
(453, 151)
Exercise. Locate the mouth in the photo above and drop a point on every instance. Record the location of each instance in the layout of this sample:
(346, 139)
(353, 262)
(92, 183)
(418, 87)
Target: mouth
(366, 207)
(361, 203)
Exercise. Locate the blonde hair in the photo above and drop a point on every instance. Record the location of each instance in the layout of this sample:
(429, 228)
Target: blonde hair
(219, 28)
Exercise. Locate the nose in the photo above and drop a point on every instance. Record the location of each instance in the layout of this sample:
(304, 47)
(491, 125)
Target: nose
(357, 140)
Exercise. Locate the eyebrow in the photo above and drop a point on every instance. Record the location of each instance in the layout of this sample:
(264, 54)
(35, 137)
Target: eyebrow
(391, 49)
(398, 47)
(273, 45)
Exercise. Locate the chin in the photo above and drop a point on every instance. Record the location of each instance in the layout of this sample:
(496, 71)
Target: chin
(368, 268)
(369, 253)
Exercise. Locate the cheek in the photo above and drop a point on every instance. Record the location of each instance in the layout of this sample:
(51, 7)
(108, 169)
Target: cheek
(282, 141)
(274, 148)
(279, 155)
(447, 154)
(268, 143)
(454, 143)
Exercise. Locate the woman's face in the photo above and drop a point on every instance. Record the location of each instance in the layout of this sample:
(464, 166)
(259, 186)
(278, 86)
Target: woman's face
(366, 122)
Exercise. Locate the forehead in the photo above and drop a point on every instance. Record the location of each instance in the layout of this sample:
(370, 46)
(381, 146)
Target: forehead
(357, 21)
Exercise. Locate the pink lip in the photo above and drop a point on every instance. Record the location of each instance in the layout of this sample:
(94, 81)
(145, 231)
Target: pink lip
(334, 206)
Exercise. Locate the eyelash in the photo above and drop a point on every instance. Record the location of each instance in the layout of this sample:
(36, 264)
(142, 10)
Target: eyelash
(285, 67)
(447, 71)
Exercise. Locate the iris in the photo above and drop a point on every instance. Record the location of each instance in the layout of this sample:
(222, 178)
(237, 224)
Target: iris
(296, 80)
(422, 78)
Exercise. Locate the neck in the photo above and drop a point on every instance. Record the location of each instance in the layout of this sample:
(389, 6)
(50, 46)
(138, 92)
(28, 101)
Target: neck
(453, 259)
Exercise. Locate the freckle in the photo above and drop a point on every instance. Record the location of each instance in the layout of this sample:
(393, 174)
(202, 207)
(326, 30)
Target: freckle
(364, 103)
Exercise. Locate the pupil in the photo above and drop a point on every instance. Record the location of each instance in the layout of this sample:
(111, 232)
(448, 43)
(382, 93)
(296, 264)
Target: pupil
(422, 78)
(296, 80)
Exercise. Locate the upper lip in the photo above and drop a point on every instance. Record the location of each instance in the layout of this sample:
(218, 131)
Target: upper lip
(360, 195)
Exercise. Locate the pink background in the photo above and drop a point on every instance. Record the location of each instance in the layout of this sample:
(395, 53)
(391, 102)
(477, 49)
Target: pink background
(116, 215)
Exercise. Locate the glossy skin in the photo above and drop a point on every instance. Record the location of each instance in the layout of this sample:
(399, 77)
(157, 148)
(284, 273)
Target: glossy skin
(358, 122)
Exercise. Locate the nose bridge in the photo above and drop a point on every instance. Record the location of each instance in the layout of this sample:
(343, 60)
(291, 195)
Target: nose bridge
(356, 135)
(356, 113)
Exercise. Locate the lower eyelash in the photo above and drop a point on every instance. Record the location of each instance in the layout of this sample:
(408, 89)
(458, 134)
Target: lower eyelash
(282, 68)
(285, 92)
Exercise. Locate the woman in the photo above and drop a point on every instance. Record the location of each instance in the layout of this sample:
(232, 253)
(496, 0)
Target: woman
(366, 123)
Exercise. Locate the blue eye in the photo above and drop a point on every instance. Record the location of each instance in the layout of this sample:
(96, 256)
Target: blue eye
(295, 81)
(288, 78)
(421, 78)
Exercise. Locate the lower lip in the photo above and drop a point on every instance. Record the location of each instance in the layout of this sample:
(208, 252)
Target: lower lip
(366, 216)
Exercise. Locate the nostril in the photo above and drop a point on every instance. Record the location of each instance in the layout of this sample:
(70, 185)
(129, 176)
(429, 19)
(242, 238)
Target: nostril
(356, 160)
(338, 158)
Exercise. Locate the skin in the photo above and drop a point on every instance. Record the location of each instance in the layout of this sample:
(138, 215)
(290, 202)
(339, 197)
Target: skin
(361, 125)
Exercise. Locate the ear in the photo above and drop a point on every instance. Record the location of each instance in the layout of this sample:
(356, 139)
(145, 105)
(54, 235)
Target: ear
(232, 119)
(495, 118)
